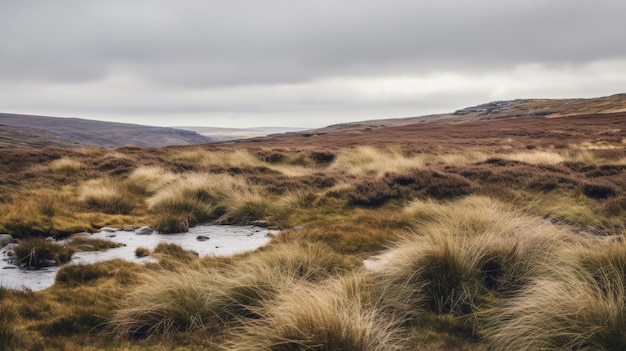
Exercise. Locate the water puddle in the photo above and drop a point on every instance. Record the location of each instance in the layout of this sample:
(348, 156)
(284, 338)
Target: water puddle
(222, 241)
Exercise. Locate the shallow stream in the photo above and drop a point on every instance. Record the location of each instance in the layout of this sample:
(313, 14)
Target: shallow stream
(223, 241)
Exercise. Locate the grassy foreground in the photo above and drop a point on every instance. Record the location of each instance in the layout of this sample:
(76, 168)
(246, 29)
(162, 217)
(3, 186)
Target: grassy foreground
(381, 248)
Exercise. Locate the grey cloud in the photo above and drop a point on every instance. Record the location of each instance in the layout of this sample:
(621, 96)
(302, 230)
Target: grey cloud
(212, 43)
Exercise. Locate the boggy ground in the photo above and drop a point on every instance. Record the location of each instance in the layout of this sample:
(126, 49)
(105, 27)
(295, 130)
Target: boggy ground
(493, 235)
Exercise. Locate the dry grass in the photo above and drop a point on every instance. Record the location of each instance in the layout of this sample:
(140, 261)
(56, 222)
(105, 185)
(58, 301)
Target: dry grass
(537, 157)
(192, 199)
(149, 179)
(205, 298)
(328, 317)
(106, 195)
(579, 305)
(67, 167)
(38, 253)
(370, 161)
(219, 158)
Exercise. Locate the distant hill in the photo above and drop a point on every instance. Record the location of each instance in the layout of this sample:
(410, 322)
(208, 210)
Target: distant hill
(520, 108)
(26, 131)
(521, 120)
(228, 134)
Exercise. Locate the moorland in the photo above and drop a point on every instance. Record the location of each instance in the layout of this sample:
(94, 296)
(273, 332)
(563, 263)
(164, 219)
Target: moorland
(471, 231)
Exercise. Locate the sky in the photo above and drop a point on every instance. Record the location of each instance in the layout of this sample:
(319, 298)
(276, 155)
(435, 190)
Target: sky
(250, 63)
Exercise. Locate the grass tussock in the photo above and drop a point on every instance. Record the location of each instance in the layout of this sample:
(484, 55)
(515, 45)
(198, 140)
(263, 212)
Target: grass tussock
(333, 316)
(82, 243)
(194, 199)
(147, 180)
(38, 253)
(106, 195)
(244, 206)
(219, 158)
(537, 157)
(67, 167)
(77, 275)
(210, 299)
(370, 161)
(580, 305)
(464, 255)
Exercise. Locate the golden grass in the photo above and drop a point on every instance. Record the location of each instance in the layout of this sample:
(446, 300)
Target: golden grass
(106, 195)
(67, 167)
(579, 305)
(205, 298)
(370, 161)
(219, 158)
(537, 157)
(149, 179)
(327, 317)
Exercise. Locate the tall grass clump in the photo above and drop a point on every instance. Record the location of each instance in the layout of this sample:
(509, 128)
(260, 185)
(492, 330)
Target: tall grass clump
(242, 206)
(147, 180)
(196, 298)
(464, 255)
(370, 161)
(191, 199)
(326, 317)
(38, 253)
(580, 304)
(66, 167)
(219, 158)
(537, 157)
(438, 273)
(106, 195)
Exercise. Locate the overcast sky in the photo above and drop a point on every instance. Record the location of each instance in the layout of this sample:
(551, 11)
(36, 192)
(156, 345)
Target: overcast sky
(245, 63)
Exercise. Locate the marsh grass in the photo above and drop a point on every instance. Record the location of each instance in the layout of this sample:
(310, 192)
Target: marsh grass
(106, 195)
(242, 206)
(67, 167)
(327, 317)
(578, 304)
(197, 198)
(184, 298)
(147, 180)
(371, 161)
(38, 253)
(142, 252)
(219, 158)
(82, 243)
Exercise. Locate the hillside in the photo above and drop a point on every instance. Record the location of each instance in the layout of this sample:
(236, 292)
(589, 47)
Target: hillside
(521, 123)
(36, 131)
(519, 108)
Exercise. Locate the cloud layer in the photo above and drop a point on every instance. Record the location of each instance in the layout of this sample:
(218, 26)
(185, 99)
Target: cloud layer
(307, 63)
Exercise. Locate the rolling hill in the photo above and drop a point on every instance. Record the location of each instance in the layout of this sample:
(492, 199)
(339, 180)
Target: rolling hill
(26, 131)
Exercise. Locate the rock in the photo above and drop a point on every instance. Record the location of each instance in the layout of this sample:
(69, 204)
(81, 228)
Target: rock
(144, 231)
(49, 263)
(202, 238)
(109, 229)
(5, 239)
(260, 223)
(9, 267)
(128, 228)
